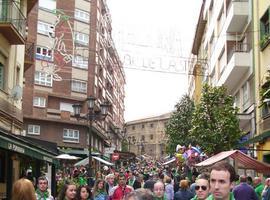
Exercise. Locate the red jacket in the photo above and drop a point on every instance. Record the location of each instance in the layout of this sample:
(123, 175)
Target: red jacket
(120, 192)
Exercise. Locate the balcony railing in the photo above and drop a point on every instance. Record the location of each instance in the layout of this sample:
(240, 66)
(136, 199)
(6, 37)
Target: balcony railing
(238, 47)
(29, 55)
(10, 13)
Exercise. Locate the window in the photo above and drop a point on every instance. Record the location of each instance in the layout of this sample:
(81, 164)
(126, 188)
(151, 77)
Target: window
(66, 107)
(44, 53)
(133, 127)
(142, 138)
(222, 61)
(80, 61)
(78, 86)
(245, 95)
(47, 4)
(39, 102)
(143, 126)
(81, 38)
(33, 129)
(81, 15)
(265, 29)
(151, 137)
(45, 28)
(151, 125)
(70, 135)
(41, 78)
(2, 76)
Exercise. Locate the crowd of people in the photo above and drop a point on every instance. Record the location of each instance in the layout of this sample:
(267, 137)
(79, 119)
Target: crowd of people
(152, 183)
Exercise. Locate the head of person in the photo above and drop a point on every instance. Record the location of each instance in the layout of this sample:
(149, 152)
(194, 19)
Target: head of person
(122, 179)
(42, 183)
(183, 184)
(140, 194)
(222, 177)
(267, 182)
(159, 189)
(130, 174)
(249, 180)
(202, 187)
(168, 180)
(110, 179)
(243, 179)
(68, 192)
(83, 193)
(23, 189)
(257, 180)
(100, 184)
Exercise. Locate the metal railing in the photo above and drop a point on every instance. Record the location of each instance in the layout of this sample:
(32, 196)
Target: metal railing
(238, 47)
(11, 13)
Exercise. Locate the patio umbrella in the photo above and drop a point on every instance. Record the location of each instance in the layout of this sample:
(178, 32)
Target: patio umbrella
(67, 157)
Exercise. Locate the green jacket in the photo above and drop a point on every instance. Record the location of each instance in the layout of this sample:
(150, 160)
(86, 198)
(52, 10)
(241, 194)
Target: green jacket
(258, 190)
(211, 197)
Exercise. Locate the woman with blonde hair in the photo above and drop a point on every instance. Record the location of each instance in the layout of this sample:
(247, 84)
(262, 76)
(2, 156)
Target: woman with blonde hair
(23, 189)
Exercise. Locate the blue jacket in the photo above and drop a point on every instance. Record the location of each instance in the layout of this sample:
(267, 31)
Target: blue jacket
(183, 195)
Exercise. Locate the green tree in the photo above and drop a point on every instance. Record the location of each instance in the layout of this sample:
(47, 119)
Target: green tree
(215, 124)
(177, 128)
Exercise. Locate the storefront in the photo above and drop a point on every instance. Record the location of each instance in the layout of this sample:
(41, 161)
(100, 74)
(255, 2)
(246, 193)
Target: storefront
(21, 156)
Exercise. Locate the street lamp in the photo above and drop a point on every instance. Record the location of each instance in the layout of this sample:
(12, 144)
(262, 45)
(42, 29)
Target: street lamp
(94, 113)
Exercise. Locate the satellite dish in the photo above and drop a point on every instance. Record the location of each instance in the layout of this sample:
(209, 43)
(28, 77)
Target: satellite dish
(16, 93)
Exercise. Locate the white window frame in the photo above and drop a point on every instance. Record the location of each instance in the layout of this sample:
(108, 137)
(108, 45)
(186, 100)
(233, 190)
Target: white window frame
(80, 61)
(81, 38)
(71, 135)
(47, 4)
(81, 15)
(33, 129)
(39, 102)
(41, 78)
(79, 86)
(45, 28)
(47, 55)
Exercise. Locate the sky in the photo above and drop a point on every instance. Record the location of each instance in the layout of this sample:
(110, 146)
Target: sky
(153, 39)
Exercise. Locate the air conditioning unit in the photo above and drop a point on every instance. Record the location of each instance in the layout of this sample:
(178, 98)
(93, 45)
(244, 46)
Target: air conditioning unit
(23, 133)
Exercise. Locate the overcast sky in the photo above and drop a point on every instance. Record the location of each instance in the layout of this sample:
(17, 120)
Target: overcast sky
(153, 39)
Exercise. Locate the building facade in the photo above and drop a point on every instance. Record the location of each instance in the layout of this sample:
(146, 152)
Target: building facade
(17, 153)
(223, 55)
(147, 136)
(261, 141)
(74, 58)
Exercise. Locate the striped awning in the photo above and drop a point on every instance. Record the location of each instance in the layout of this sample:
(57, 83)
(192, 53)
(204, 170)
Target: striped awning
(244, 161)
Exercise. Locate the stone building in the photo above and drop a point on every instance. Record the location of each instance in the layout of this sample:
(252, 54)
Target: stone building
(147, 136)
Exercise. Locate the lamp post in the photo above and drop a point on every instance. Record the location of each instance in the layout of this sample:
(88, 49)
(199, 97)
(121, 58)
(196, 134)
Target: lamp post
(94, 113)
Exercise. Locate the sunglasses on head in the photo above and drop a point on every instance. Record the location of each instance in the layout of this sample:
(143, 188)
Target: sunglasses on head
(197, 187)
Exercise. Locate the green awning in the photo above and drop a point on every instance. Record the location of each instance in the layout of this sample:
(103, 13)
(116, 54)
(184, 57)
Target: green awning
(13, 143)
(256, 139)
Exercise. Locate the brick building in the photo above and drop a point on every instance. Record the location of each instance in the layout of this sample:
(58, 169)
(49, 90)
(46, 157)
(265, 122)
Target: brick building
(74, 58)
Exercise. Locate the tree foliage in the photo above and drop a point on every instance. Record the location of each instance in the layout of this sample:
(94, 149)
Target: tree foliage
(215, 126)
(177, 128)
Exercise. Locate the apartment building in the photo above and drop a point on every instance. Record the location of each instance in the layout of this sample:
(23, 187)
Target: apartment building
(261, 11)
(17, 152)
(223, 52)
(74, 58)
(147, 136)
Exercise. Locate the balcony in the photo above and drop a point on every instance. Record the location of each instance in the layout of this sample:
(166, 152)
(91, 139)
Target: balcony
(238, 63)
(237, 15)
(12, 22)
(29, 55)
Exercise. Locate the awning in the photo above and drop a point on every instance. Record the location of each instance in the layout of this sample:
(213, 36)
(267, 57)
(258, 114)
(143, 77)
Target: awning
(23, 145)
(85, 161)
(244, 161)
(169, 161)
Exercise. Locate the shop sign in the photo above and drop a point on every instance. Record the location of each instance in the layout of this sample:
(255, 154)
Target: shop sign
(16, 148)
(115, 156)
(45, 158)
